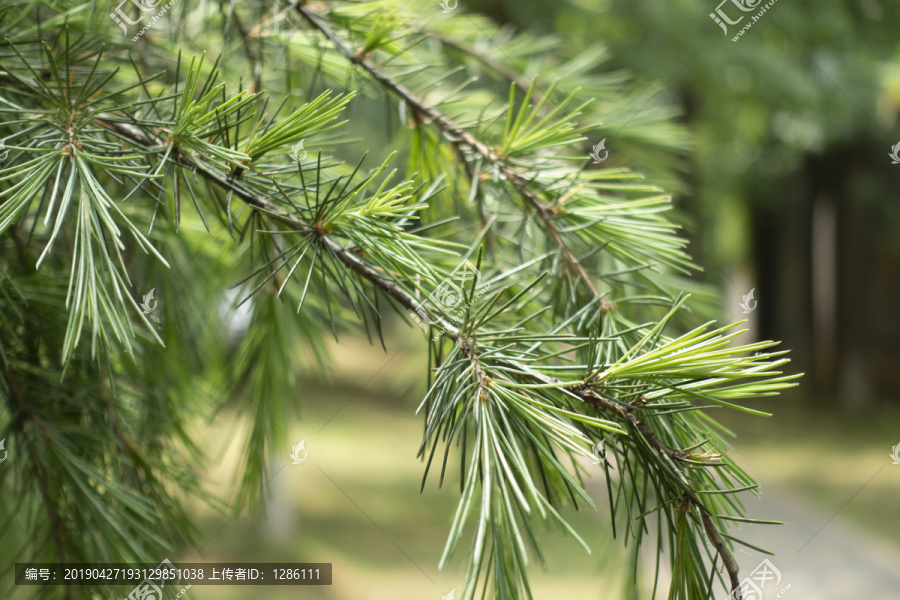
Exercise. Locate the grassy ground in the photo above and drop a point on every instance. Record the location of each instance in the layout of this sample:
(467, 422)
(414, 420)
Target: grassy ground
(835, 459)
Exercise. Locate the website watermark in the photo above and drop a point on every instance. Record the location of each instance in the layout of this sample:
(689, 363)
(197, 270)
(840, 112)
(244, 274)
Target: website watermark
(299, 453)
(148, 303)
(746, 6)
(298, 153)
(601, 456)
(144, 6)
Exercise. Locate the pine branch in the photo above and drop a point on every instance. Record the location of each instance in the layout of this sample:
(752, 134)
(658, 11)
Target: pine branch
(626, 413)
(530, 369)
(57, 526)
(461, 140)
(451, 331)
(266, 207)
(522, 83)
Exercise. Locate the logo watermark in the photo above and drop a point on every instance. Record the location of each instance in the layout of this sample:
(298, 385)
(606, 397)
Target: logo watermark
(297, 152)
(296, 450)
(595, 153)
(748, 305)
(449, 296)
(450, 596)
(3, 449)
(895, 454)
(146, 306)
(723, 21)
(151, 588)
(895, 151)
(751, 588)
(121, 19)
(445, 4)
(599, 452)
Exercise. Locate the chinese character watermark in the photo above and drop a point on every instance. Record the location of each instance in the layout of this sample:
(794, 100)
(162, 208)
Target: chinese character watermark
(123, 20)
(752, 586)
(723, 21)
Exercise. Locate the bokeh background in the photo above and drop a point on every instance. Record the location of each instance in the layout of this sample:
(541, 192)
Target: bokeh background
(785, 187)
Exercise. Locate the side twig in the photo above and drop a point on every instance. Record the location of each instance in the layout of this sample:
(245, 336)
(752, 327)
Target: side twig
(461, 140)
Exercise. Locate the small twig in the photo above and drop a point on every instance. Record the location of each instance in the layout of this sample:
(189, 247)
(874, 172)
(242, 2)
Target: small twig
(521, 83)
(481, 378)
(626, 413)
(461, 140)
(246, 40)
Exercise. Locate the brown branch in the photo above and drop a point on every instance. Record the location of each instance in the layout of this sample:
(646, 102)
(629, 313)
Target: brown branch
(720, 547)
(589, 396)
(461, 140)
(626, 413)
(264, 205)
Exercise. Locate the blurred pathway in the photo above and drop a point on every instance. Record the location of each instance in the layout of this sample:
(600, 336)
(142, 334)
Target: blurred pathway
(818, 554)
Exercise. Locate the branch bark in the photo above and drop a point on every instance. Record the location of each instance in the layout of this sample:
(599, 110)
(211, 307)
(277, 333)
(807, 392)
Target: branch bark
(626, 413)
(263, 204)
(461, 140)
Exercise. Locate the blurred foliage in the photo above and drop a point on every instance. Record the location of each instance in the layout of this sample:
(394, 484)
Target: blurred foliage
(807, 77)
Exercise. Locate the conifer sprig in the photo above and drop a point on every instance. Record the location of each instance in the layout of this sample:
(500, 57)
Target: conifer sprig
(563, 339)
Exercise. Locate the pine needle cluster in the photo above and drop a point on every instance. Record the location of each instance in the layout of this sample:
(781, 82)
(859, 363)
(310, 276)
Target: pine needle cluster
(220, 151)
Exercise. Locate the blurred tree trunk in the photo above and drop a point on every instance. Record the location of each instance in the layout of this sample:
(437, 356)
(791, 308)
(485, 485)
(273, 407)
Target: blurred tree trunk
(856, 297)
(827, 275)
